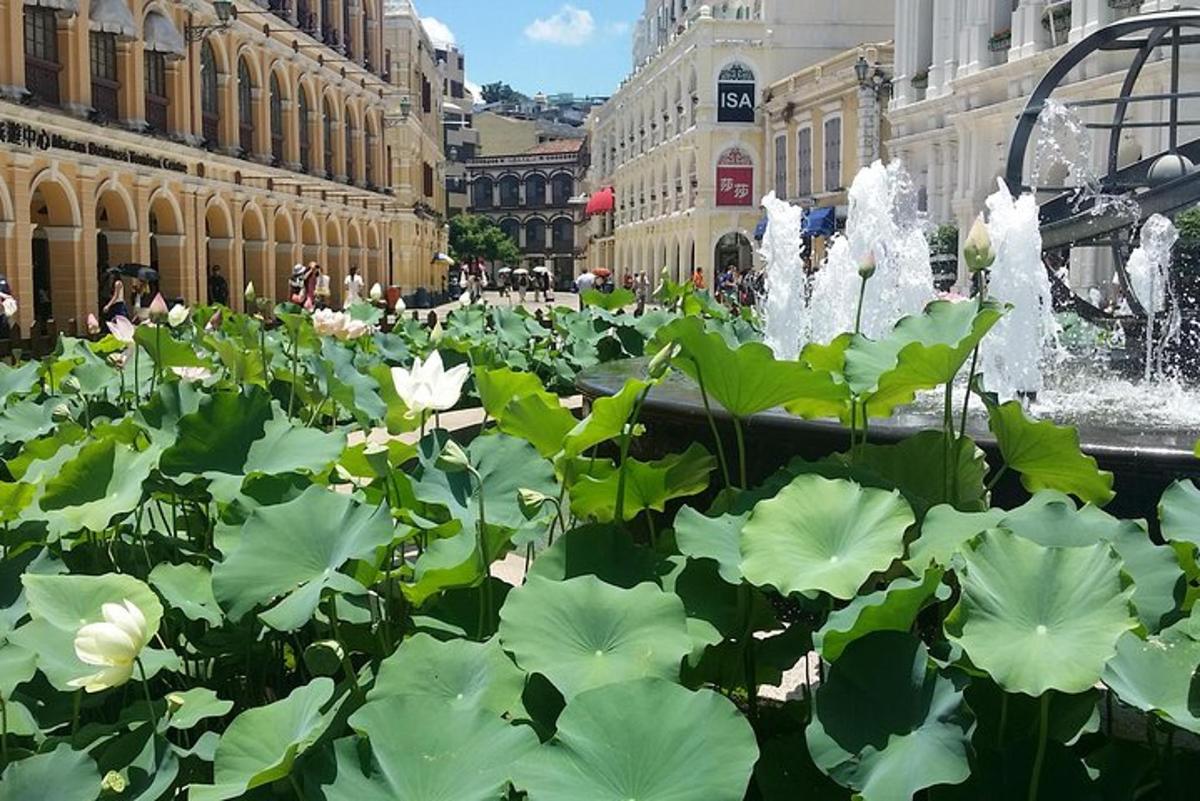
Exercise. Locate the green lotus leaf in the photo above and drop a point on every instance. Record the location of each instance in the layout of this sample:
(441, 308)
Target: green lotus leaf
(717, 538)
(823, 534)
(356, 391)
(455, 563)
(514, 327)
(605, 551)
(1179, 512)
(606, 420)
(649, 740)
(14, 499)
(262, 743)
(1068, 717)
(917, 466)
(103, 481)
(187, 588)
(583, 633)
(195, 705)
(25, 420)
(893, 608)
(1154, 569)
(1047, 455)
(918, 731)
(165, 350)
(504, 465)
(439, 753)
(296, 549)
(61, 604)
(539, 419)
(749, 379)
(944, 531)
(1159, 675)
(648, 485)
(497, 388)
(1037, 618)
(61, 775)
(17, 666)
(613, 301)
(234, 434)
(17, 380)
(465, 675)
(923, 351)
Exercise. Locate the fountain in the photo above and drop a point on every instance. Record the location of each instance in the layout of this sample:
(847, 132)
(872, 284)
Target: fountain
(1125, 393)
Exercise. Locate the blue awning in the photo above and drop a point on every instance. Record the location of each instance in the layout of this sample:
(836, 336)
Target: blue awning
(821, 222)
(760, 230)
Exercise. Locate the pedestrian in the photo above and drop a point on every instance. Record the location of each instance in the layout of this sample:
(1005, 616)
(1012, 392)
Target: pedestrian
(354, 288)
(115, 307)
(322, 291)
(642, 293)
(628, 282)
(698, 278)
(585, 282)
(522, 286)
(141, 300)
(218, 289)
(296, 284)
(312, 277)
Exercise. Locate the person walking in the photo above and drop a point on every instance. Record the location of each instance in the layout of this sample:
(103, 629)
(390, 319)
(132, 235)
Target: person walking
(311, 279)
(522, 286)
(218, 289)
(641, 292)
(698, 278)
(585, 282)
(322, 291)
(353, 289)
(115, 307)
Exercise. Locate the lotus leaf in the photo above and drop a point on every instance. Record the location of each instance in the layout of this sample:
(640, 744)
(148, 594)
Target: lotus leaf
(715, 538)
(822, 534)
(187, 588)
(582, 633)
(465, 675)
(1159, 675)
(71, 774)
(1179, 512)
(195, 705)
(648, 485)
(893, 608)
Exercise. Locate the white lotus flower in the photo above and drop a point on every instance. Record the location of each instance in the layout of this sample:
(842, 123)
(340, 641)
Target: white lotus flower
(177, 316)
(465, 298)
(9, 306)
(353, 329)
(122, 329)
(376, 293)
(428, 386)
(400, 306)
(328, 323)
(113, 645)
(192, 373)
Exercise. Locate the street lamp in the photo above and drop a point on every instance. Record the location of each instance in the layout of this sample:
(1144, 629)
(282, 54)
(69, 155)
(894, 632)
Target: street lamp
(861, 70)
(224, 10)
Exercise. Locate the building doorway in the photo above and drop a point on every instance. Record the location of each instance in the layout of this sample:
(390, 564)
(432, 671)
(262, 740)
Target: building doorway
(43, 306)
(733, 249)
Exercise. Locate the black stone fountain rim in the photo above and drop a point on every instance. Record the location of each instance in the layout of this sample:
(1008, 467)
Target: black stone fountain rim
(678, 398)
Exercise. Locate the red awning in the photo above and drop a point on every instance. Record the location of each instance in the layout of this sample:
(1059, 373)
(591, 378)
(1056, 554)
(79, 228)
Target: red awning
(602, 202)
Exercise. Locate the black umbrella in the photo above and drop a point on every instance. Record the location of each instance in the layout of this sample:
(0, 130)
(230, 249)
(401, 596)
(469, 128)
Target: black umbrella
(142, 272)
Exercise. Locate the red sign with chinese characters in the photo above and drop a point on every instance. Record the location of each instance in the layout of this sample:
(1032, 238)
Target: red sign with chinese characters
(735, 186)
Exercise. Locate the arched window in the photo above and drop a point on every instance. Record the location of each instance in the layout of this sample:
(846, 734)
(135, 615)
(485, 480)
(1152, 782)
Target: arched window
(106, 84)
(512, 229)
(510, 192)
(42, 67)
(562, 187)
(276, 120)
(245, 108)
(157, 101)
(563, 234)
(351, 156)
(210, 101)
(372, 144)
(535, 235)
(482, 190)
(736, 94)
(535, 190)
(327, 137)
(305, 131)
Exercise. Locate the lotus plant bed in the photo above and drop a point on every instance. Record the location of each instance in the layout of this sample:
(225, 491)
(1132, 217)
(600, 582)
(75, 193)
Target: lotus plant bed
(210, 594)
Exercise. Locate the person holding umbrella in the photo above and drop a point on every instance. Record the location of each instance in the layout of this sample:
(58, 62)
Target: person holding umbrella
(522, 278)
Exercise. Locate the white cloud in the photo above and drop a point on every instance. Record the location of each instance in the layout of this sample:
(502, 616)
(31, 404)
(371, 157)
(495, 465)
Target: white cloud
(569, 27)
(617, 28)
(439, 32)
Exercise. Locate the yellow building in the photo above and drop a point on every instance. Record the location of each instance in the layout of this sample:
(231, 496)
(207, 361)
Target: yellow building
(183, 136)
(826, 122)
(415, 148)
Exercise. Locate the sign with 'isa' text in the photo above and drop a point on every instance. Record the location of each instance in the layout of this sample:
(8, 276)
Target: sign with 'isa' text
(735, 94)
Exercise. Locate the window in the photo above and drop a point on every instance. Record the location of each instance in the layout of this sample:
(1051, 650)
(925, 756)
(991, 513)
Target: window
(833, 154)
(210, 103)
(351, 144)
(245, 109)
(327, 135)
(426, 95)
(41, 54)
(535, 235)
(512, 229)
(535, 190)
(562, 187)
(510, 193)
(106, 88)
(781, 170)
(804, 163)
(276, 120)
(305, 136)
(563, 233)
(369, 154)
(156, 91)
(483, 193)
(428, 180)
(347, 37)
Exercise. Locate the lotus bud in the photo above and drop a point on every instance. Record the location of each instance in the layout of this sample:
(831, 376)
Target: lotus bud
(114, 782)
(400, 306)
(376, 293)
(324, 657)
(250, 296)
(214, 322)
(978, 248)
(61, 413)
(175, 702)
(662, 361)
(177, 316)
(158, 308)
(453, 459)
(531, 501)
(866, 268)
(93, 325)
(435, 336)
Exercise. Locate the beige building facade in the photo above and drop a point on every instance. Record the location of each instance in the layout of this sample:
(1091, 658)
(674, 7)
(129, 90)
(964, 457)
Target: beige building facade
(414, 146)
(682, 143)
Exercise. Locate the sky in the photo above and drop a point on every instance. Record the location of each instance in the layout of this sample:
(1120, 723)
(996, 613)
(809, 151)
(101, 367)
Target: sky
(582, 46)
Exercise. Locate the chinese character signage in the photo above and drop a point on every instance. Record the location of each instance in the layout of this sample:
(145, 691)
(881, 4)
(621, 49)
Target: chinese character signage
(735, 94)
(735, 186)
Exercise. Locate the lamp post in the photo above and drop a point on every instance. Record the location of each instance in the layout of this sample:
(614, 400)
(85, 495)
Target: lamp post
(225, 15)
(873, 87)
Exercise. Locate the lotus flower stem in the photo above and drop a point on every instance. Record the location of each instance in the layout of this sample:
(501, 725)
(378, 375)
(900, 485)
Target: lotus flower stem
(741, 446)
(862, 295)
(157, 356)
(347, 668)
(712, 424)
(1035, 778)
(292, 389)
(962, 428)
(746, 600)
(137, 384)
(626, 437)
(949, 446)
(146, 691)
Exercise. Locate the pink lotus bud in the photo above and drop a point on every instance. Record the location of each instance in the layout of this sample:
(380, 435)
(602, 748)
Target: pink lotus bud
(158, 308)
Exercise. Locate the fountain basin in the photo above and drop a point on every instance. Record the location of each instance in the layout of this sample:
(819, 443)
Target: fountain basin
(1143, 460)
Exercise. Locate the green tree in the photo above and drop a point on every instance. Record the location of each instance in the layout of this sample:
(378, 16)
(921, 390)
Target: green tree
(500, 92)
(475, 237)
